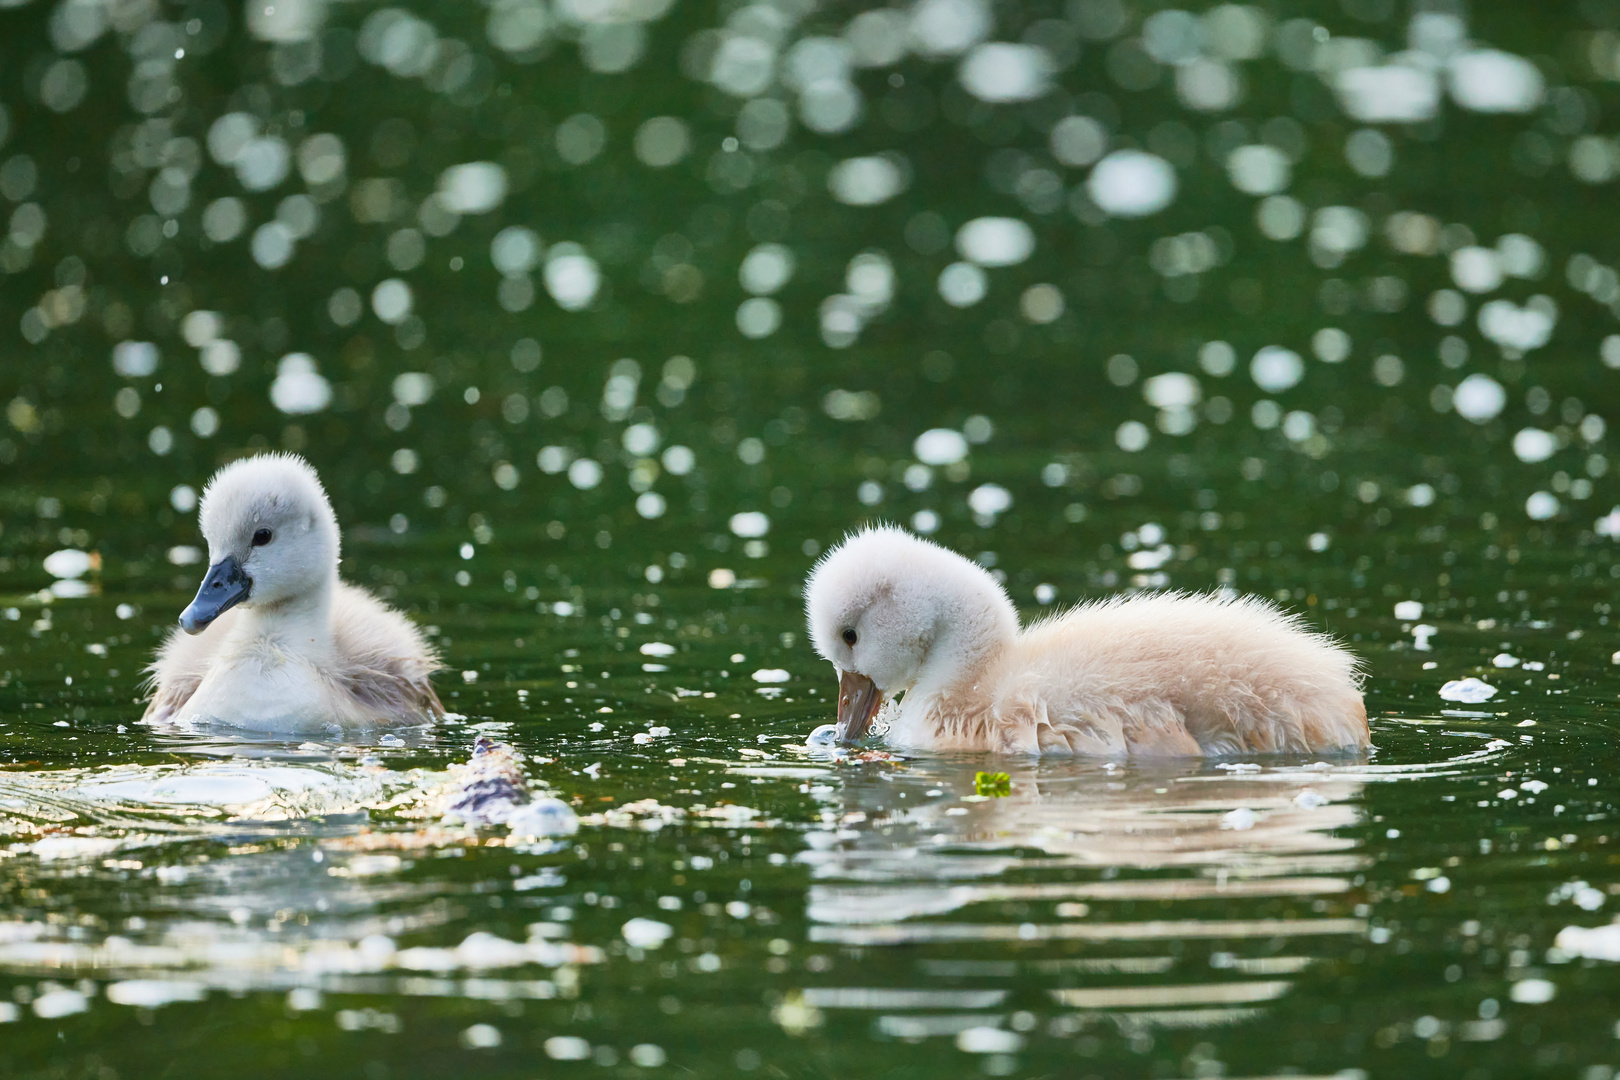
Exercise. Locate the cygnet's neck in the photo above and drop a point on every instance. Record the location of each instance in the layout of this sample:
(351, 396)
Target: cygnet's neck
(974, 622)
(302, 621)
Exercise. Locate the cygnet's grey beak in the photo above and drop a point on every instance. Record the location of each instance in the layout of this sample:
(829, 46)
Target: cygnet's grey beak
(858, 701)
(226, 585)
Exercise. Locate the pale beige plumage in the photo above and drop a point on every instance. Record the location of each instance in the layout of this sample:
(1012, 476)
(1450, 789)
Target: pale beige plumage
(1154, 674)
(301, 650)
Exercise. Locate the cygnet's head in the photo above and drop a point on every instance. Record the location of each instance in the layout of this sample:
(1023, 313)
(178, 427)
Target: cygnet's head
(885, 606)
(272, 537)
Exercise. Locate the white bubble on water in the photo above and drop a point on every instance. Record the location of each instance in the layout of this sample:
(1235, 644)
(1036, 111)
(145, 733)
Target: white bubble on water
(1042, 304)
(201, 327)
(474, 187)
(1172, 36)
(1370, 152)
(743, 66)
(662, 141)
(1542, 505)
(413, 388)
(154, 993)
(1171, 390)
(1217, 358)
(988, 500)
(995, 241)
(286, 21)
(750, 525)
(1479, 398)
(759, 317)
(841, 320)
(1339, 230)
(830, 106)
(646, 933)
(392, 301)
(229, 134)
(1258, 169)
(940, 446)
(1132, 183)
(1132, 436)
(135, 359)
(1330, 344)
(988, 1040)
(572, 277)
(298, 387)
(205, 422)
(321, 159)
(1476, 269)
(481, 1037)
(1533, 991)
(1003, 72)
(584, 473)
(1280, 217)
(1389, 94)
(1518, 328)
(1522, 256)
(766, 268)
(272, 245)
(962, 284)
(1469, 691)
(54, 1004)
(68, 563)
(516, 249)
(262, 163)
(1208, 85)
(866, 181)
(1275, 369)
(679, 460)
(517, 26)
(763, 124)
(1078, 141)
(948, 27)
(612, 47)
(1492, 81)
(870, 280)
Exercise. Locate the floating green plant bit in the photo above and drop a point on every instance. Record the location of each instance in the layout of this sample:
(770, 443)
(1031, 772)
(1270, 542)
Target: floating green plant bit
(994, 784)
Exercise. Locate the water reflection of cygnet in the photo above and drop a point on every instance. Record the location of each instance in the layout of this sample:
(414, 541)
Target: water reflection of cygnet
(1167, 895)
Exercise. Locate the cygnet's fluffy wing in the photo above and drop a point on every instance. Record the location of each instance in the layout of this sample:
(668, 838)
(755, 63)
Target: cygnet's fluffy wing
(385, 663)
(1190, 674)
(178, 669)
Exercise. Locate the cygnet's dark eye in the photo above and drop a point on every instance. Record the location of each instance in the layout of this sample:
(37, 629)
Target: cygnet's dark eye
(850, 637)
(262, 537)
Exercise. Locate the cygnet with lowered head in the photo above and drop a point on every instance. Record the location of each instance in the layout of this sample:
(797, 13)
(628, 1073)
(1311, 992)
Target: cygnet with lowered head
(274, 640)
(1156, 674)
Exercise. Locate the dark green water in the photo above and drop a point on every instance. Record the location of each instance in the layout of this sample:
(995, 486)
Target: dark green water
(542, 450)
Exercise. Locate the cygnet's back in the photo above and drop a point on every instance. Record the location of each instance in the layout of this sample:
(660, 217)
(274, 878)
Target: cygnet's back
(1173, 673)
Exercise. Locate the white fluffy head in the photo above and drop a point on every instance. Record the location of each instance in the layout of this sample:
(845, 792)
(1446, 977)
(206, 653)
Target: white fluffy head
(888, 605)
(281, 494)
